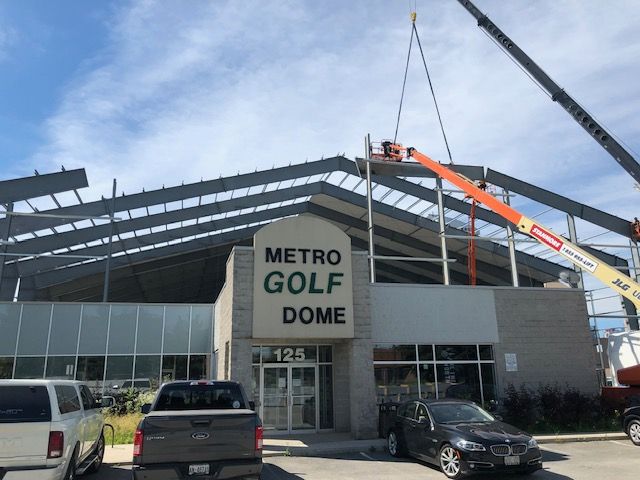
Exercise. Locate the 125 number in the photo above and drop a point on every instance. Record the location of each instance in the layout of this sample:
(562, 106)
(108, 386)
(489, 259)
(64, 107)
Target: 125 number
(289, 354)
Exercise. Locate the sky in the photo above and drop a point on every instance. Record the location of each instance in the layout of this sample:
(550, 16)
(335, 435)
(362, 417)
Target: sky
(162, 92)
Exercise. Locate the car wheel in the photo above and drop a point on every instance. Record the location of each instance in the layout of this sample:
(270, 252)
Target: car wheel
(394, 445)
(450, 462)
(99, 451)
(634, 431)
(71, 469)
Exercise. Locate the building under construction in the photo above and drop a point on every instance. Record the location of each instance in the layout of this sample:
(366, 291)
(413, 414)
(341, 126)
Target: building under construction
(266, 278)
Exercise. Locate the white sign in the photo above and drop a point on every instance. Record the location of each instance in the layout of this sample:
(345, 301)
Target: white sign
(511, 360)
(302, 280)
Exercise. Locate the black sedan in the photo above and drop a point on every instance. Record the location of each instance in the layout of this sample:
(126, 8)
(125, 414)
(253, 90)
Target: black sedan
(461, 438)
(631, 424)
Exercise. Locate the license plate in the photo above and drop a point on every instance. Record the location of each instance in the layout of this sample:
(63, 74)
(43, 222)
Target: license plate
(199, 469)
(512, 460)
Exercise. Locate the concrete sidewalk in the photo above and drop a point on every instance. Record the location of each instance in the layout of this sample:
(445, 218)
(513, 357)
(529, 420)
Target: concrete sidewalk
(326, 444)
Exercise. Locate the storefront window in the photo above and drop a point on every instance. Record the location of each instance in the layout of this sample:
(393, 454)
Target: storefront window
(9, 319)
(29, 367)
(176, 329)
(396, 383)
(150, 329)
(457, 371)
(325, 354)
(198, 367)
(119, 371)
(486, 352)
(6, 367)
(425, 353)
(147, 372)
(459, 380)
(488, 382)
(201, 325)
(394, 353)
(174, 367)
(456, 352)
(34, 330)
(93, 330)
(325, 383)
(65, 324)
(91, 371)
(427, 381)
(122, 329)
(61, 368)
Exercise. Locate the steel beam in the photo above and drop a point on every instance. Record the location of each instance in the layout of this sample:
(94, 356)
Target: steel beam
(571, 207)
(41, 185)
(192, 190)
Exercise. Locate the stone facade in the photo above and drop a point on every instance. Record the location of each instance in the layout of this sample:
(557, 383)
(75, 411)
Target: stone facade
(354, 402)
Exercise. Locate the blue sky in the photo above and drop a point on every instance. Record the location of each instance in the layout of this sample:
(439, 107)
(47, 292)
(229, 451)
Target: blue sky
(160, 92)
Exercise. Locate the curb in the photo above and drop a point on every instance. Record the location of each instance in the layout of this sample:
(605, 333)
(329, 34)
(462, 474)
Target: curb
(585, 437)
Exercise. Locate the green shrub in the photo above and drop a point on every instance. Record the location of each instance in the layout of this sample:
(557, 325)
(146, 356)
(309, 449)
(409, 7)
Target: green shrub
(551, 409)
(129, 401)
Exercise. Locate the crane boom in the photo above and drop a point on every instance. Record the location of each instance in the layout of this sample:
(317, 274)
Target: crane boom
(573, 108)
(608, 275)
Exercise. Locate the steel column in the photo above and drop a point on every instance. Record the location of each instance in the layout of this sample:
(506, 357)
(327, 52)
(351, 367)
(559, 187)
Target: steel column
(573, 236)
(372, 253)
(4, 239)
(515, 280)
(443, 239)
(107, 270)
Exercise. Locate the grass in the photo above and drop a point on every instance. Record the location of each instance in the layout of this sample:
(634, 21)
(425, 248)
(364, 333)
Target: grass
(124, 427)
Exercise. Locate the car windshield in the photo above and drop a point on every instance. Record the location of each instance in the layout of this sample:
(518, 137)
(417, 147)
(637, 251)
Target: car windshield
(459, 413)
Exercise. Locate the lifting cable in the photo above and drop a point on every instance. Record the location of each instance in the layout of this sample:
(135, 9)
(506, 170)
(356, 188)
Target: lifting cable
(414, 30)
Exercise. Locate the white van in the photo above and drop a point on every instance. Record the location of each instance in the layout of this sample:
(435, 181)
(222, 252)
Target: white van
(49, 429)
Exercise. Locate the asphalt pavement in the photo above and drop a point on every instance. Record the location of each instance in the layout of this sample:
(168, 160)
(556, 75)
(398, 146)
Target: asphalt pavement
(606, 460)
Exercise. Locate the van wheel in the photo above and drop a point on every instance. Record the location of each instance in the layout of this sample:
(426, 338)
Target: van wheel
(99, 451)
(71, 469)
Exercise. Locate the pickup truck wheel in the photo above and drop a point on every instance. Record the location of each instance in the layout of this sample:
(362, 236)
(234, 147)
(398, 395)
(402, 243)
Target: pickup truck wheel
(71, 469)
(99, 451)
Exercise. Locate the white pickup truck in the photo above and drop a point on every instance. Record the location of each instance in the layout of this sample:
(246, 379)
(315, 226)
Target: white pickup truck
(49, 429)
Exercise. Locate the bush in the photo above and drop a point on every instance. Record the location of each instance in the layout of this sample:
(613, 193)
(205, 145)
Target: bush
(551, 409)
(129, 401)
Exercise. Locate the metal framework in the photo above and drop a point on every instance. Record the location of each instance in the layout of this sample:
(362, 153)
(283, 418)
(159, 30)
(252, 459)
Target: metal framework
(171, 244)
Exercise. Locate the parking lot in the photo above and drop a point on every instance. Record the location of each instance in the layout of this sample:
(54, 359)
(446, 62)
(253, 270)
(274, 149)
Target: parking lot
(616, 459)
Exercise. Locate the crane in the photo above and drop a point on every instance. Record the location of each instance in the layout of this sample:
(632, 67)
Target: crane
(608, 275)
(557, 93)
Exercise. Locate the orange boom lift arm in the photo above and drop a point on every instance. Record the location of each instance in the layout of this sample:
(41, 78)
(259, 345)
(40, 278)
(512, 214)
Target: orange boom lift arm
(608, 275)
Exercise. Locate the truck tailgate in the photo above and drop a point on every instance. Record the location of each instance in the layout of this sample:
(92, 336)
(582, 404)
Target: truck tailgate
(25, 421)
(198, 436)
(24, 443)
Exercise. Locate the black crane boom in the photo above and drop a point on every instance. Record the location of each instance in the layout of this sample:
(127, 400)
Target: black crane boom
(586, 121)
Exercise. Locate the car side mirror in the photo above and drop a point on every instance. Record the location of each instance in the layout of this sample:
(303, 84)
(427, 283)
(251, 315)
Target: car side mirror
(498, 417)
(146, 408)
(107, 402)
(252, 405)
(423, 420)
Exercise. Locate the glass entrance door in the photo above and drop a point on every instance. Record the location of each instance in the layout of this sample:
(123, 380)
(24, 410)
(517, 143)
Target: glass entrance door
(289, 398)
(303, 398)
(275, 402)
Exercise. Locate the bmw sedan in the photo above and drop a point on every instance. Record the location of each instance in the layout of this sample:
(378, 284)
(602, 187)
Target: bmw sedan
(461, 438)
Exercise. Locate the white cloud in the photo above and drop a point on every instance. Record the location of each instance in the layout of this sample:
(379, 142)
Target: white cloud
(199, 89)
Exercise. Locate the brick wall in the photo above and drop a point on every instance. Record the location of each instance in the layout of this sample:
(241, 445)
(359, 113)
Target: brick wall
(548, 330)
